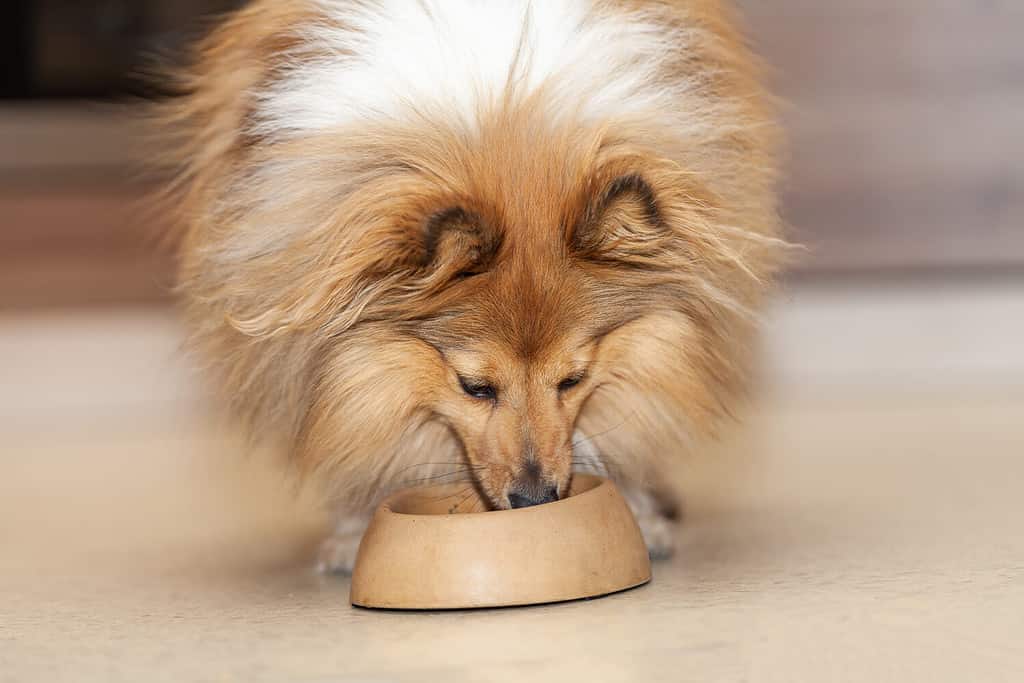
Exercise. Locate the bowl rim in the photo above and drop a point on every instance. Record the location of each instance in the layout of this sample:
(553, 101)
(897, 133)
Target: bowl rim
(592, 483)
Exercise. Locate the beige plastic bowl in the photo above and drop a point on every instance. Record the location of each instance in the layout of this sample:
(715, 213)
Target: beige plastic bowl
(426, 548)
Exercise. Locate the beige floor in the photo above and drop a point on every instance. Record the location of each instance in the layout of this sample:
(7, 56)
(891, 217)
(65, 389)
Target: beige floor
(844, 534)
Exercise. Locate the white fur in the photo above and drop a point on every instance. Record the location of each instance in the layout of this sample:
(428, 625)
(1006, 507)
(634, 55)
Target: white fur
(393, 59)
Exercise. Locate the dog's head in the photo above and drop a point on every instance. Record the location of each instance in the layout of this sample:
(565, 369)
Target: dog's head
(439, 285)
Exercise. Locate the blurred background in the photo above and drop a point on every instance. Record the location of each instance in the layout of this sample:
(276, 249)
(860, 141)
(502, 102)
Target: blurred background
(894, 344)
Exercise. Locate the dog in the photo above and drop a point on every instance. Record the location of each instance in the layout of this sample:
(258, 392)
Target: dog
(492, 241)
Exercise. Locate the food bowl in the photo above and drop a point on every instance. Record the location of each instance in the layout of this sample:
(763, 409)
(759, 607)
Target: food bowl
(430, 548)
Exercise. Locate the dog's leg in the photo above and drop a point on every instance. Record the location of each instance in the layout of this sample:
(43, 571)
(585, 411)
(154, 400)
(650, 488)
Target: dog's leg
(656, 514)
(338, 551)
(657, 517)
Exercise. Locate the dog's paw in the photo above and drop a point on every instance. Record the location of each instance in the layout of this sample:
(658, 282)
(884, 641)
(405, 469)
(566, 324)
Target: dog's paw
(658, 519)
(659, 534)
(338, 553)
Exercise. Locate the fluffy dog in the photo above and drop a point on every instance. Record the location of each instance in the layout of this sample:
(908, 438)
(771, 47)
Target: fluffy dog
(496, 240)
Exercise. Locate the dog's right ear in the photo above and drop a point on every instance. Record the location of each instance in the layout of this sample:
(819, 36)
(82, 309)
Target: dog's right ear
(622, 225)
(457, 243)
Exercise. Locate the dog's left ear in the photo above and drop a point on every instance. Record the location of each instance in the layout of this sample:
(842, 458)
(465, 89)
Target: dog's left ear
(457, 243)
(622, 224)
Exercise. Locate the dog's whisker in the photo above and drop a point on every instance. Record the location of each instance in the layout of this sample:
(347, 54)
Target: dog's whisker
(464, 498)
(436, 464)
(453, 494)
(589, 437)
(463, 466)
(441, 475)
(446, 478)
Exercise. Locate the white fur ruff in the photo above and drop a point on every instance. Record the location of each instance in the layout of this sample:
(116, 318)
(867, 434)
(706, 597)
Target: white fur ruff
(396, 59)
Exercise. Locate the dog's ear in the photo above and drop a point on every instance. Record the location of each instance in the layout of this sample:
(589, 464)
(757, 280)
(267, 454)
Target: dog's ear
(456, 244)
(622, 224)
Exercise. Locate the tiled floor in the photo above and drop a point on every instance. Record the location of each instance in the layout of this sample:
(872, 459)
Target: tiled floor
(846, 533)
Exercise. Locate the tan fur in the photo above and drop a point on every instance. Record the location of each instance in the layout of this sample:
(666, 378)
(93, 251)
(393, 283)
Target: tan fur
(347, 338)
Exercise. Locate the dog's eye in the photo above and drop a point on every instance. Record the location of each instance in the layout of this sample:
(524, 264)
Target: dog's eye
(569, 382)
(478, 389)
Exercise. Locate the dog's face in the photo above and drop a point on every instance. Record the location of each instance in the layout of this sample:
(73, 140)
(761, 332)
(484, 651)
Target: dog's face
(518, 357)
(514, 415)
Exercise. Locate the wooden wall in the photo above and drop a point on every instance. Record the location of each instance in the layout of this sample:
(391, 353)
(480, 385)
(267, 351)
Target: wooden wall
(906, 120)
(75, 226)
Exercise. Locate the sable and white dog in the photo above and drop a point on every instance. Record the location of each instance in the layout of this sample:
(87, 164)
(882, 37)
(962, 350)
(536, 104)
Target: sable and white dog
(488, 239)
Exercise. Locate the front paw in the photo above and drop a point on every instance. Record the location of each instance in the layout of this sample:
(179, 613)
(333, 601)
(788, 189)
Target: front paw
(659, 534)
(338, 553)
(658, 519)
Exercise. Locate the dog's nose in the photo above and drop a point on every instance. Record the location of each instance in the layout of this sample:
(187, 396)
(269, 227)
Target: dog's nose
(529, 488)
(534, 497)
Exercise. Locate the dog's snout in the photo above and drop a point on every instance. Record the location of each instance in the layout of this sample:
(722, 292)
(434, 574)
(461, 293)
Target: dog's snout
(530, 489)
(525, 500)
